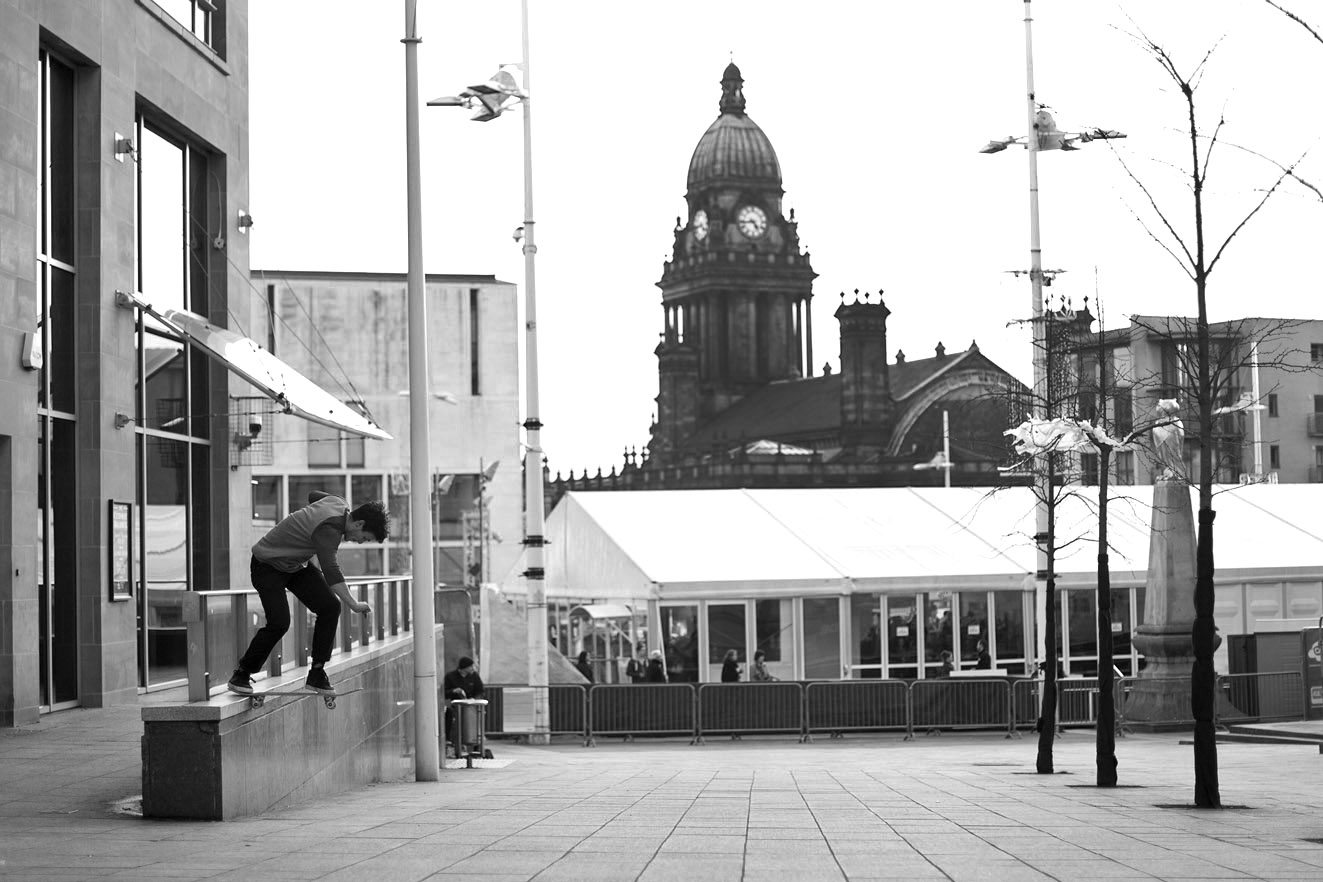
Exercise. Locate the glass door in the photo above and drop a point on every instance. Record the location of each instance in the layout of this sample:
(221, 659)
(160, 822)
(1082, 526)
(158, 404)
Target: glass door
(726, 624)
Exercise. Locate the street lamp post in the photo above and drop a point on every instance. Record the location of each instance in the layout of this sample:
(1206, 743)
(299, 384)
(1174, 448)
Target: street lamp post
(427, 751)
(1043, 134)
(491, 99)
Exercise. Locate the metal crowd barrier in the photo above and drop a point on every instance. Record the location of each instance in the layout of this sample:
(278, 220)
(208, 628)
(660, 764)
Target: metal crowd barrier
(567, 706)
(966, 703)
(642, 709)
(838, 706)
(743, 708)
(1260, 697)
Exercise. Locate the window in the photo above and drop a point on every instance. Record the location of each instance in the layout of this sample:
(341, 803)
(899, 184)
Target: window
(177, 389)
(331, 448)
(1274, 456)
(1316, 352)
(1272, 404)
(475, 386)
(267, 507)
(201, 18)
(1089, 468)
(771, 618)
(1124, 460)
(57, 460)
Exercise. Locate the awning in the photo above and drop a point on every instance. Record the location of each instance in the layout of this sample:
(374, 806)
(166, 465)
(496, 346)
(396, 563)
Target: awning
(603, 611)
(295, 393)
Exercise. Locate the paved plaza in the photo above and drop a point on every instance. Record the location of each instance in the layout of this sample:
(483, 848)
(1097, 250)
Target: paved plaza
(962, 807)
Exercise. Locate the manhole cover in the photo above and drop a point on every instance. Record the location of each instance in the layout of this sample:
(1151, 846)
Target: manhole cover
(1040, 773)
(1190, 805)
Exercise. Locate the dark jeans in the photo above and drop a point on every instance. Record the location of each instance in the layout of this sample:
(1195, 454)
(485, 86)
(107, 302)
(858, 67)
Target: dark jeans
(311, 589)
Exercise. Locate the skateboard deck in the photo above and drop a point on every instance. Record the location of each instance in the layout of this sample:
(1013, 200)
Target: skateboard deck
(257, 699)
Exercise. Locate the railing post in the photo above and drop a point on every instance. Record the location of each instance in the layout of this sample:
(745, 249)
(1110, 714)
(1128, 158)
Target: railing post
(195, 617)
(379, 609)
(909, 711)
(394, 601)
(406, 610)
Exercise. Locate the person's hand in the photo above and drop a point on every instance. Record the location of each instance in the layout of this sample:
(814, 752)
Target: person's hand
(360, 607)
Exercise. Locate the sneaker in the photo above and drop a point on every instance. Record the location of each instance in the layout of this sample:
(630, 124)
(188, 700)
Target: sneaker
(319, 682)
(241, 682)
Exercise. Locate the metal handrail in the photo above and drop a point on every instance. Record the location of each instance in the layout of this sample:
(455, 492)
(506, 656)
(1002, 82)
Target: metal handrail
(388, 596)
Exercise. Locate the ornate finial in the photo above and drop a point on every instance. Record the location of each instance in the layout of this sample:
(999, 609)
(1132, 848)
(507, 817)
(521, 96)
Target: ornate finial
(732, 90)
(856, 295)
(941, 350)
(842, 296)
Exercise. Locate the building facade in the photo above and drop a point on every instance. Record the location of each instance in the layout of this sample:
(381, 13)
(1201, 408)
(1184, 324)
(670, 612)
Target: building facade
(1267, 375)
(114, 488)
(349, 333)
(738, 403)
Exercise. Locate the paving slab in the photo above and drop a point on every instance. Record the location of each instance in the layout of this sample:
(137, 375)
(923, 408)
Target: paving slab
(967, 807)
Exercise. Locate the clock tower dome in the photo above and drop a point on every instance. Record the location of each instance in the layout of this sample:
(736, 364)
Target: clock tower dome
(737, 289)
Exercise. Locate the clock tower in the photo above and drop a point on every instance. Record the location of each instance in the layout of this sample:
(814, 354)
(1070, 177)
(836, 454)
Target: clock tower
(737, 289)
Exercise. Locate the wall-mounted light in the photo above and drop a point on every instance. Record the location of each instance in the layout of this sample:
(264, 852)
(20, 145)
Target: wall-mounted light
(32, 357)
(245, 221)
(124, 148)
(122, 420)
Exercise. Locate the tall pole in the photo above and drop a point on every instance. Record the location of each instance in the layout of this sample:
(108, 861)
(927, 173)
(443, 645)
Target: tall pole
(533, 515)
(427, 748)
(946, 448)
(1044, 516)
(1038, 398)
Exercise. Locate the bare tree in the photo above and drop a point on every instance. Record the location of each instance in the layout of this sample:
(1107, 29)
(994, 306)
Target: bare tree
(1197, 260)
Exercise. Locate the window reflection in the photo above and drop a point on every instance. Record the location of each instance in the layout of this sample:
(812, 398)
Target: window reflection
(680, 626)
(822, 643)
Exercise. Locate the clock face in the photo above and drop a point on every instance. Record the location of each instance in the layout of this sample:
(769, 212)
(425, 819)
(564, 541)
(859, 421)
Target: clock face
(700, 224)
(752, 221)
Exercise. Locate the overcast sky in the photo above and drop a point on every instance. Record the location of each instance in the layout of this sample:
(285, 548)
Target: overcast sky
(876, 111)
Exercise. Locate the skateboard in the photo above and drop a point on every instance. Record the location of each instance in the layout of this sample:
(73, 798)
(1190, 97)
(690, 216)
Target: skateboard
(257, 699)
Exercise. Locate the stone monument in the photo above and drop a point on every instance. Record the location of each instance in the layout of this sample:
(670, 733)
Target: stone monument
(1160, 697)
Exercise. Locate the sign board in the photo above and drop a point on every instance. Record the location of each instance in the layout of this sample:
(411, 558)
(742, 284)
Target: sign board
(517, 709)
(121, 550)
(1312, 665)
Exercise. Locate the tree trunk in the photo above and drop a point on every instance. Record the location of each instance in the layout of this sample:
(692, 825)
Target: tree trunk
(1047, 719)
(1203, 677)
(1106, 734)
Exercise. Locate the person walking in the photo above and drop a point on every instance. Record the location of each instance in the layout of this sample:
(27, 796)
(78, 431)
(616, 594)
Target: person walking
(585, 667)
(730, 667)
(758, 673)
(281, 561)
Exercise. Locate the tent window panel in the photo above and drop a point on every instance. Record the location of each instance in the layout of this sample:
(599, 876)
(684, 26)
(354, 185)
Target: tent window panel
(865, 623)
(772, 617)
(725, 631)
(680, 625)
(822, 643)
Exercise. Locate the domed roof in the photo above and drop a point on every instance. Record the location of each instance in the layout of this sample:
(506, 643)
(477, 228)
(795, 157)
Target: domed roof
(733, 149)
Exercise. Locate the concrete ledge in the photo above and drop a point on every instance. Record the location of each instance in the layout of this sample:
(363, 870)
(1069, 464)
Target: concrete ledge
(223, 759)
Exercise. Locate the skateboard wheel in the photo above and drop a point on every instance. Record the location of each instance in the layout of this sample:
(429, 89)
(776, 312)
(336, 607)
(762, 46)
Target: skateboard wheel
(330, 703)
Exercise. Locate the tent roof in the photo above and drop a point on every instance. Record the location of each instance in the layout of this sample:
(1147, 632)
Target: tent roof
(870, 538)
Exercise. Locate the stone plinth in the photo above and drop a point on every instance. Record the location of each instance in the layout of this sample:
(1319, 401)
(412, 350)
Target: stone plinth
(1160, 698)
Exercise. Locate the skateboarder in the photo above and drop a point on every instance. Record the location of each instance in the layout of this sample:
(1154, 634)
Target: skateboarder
(281, 561)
